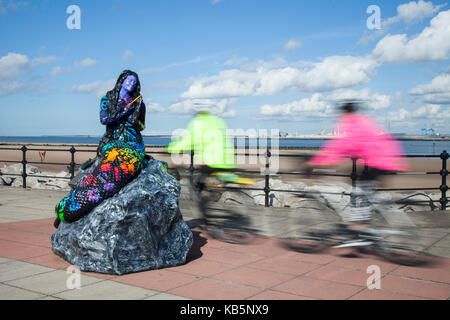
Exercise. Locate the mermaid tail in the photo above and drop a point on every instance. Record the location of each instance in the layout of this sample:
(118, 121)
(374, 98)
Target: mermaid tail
(120, 163)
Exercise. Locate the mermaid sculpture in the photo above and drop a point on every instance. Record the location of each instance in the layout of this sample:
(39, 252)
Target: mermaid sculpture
(120, 154)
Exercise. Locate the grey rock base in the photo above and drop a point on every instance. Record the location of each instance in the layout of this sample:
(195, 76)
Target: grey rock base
(139, 228)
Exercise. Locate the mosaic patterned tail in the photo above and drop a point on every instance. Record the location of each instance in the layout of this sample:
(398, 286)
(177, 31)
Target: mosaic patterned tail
(120, 163)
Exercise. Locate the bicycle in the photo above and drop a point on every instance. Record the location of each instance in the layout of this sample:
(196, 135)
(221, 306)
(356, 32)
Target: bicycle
(370, 240)
(222, 222)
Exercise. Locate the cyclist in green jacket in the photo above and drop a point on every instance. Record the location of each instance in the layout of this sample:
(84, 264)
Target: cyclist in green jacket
(207, 136)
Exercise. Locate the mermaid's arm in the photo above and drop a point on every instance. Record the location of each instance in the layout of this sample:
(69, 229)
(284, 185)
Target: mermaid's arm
(105, 115)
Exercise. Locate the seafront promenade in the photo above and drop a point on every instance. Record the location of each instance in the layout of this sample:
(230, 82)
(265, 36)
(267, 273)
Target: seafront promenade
(262, 270)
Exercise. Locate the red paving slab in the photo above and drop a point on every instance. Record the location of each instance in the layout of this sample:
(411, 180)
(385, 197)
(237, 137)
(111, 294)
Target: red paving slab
(50, 260)
(263, 246)
(19, 251)
(203, 267)
(341, 275)
(276, 295)
(39, 226)
(160, 280)
(230, 257)
(432, 274)
(285, 265)
(413, 287)
(100, 275)
(211, 289)
(26, 237)
(310, 258)
(382, 295)
(363, 263)
(262, 269)
(320, 289)
(253, 277)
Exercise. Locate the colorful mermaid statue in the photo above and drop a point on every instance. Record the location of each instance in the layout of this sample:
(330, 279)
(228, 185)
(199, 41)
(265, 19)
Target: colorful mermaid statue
(120, 153)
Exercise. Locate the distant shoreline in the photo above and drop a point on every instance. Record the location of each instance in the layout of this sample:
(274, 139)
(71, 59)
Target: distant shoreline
(411, 145)
(304, 137)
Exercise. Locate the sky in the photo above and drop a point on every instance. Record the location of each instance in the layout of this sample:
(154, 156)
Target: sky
(272, 64)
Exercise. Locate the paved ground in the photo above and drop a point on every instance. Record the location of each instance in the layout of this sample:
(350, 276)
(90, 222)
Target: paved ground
(215, 270)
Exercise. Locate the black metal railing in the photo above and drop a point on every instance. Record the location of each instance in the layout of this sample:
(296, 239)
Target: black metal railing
(443, 188)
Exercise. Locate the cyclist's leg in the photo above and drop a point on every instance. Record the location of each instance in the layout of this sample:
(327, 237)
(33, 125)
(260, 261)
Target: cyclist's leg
(361, 214)
(200, 187)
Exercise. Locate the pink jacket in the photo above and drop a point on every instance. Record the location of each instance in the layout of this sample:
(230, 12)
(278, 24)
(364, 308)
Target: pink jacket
(364, 139)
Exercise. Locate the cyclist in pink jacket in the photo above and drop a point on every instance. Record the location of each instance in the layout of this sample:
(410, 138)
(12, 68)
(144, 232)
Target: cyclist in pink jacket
(363, 139)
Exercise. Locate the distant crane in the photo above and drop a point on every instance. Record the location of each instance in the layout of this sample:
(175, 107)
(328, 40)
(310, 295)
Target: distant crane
(429, 132)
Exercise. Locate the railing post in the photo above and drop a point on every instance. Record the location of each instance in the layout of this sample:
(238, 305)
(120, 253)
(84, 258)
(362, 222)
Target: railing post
(24, 166)
(444, 174)
(354, 177)
(366, 168)
(267, 179)
(72, 162)
(191, 168)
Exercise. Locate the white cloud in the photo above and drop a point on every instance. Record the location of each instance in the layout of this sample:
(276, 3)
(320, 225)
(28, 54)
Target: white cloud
(338, 72)
(214, 106)
(214, 2)
(42, 60)
(432, 44)
(180, 64)
(7, 5)
(58, 70)
(277, 62)
(431, 112)
(439, 84)
(332, 73)
(428, 111)
(13, 65)
(399, 115)
(316, 106)
(437, 91)
(228, 114)
(169, 84)
(320, 106)
(437, 98)
(9, 87)
(409, 13)
(85, 63)
(413, 12)
(127, 55)
(373, 101)
(233, 61)
(98, 87)
(291, 45)
(151, 106)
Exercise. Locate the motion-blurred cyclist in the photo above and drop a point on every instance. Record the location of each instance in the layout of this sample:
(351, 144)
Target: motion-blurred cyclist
(362, 139)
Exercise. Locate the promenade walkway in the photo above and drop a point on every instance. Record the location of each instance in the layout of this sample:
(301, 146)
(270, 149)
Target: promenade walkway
(214, 270)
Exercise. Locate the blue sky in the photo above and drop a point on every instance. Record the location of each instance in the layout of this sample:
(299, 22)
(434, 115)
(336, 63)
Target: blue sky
(258, 64)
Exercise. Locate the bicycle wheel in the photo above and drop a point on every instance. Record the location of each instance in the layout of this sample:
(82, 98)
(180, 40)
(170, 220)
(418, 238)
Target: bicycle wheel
(224, 224)
(230, 236)
(402, 254)
(312, 242)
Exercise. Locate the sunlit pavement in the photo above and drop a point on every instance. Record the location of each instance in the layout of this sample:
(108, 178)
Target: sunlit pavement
(215, 270)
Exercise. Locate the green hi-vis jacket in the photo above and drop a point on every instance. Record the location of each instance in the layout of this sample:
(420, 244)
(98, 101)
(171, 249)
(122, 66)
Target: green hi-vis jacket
(206, 135)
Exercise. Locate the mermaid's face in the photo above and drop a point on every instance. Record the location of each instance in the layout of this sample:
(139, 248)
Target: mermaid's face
(129, 83)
